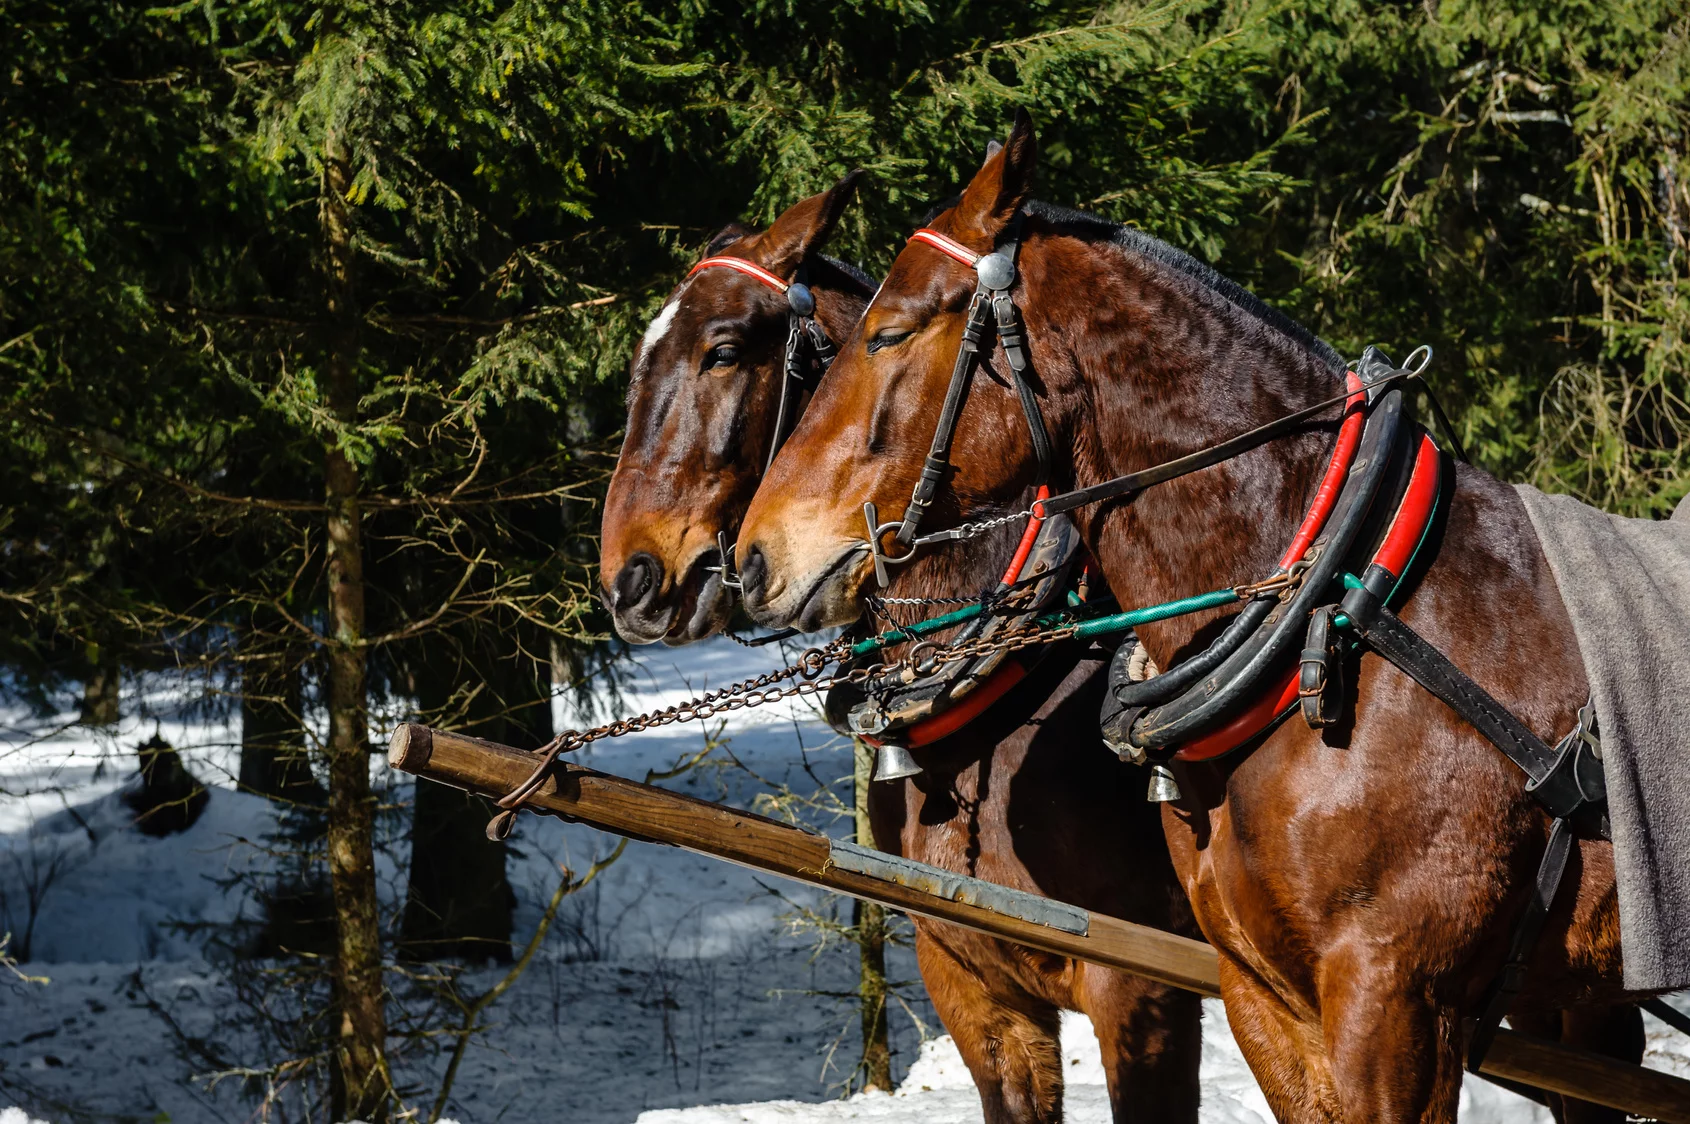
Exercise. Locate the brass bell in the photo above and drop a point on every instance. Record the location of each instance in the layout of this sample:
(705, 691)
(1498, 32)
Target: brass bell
(894, 763)
(1163, 788)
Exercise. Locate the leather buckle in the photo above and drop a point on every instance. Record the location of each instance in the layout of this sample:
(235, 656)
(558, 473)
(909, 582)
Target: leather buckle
(1318, 679)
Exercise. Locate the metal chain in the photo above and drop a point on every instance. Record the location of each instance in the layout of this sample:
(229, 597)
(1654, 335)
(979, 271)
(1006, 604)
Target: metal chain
(735, 696)
(973, 530)
(924, 658)
(978, 599)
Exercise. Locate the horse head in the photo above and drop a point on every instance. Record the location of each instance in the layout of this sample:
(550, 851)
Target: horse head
(704, 407)
(1138, 354)
(807, 560)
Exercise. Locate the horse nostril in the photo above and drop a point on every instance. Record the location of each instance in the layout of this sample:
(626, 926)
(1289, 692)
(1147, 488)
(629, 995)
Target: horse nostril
(753, 573)
(636, 583)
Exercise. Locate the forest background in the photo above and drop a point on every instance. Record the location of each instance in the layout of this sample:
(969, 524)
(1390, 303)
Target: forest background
(315, 317)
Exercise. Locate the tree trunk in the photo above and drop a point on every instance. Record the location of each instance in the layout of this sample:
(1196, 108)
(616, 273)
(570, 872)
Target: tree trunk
(458, 902)
(359, 1083)
(870, 920)
(100, 690)
(273, 756)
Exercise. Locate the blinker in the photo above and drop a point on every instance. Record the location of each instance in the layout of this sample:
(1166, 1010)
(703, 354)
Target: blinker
(803, 301)
(995, 270)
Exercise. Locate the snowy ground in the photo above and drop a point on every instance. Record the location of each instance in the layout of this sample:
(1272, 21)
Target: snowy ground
(675, 982)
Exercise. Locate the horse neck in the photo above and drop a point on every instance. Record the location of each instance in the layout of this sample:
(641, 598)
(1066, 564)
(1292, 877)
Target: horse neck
(1168, 368)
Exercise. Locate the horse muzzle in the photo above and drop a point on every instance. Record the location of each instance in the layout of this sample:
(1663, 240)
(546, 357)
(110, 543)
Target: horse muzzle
(647, 608)
(641, 612)
(803, 594)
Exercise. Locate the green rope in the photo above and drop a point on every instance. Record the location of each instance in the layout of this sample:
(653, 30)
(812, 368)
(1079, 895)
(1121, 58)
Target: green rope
(1116, 622)
(918, 629)
(1153, 613)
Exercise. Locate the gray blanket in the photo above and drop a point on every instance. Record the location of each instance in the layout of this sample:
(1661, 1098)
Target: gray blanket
(1626, 584)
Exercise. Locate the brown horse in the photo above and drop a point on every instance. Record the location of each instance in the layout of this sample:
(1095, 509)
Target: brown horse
(1035, 804)
(1360, 884)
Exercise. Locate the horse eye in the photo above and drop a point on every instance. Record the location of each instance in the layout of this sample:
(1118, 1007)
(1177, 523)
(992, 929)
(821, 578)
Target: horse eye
(888, 338)
(724, 356)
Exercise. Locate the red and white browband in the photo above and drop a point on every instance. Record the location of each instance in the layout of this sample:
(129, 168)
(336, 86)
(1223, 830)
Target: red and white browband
(750, 269)
(947, 246)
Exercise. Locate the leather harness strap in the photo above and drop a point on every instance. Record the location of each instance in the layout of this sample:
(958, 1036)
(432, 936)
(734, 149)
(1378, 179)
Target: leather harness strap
(799, 372)
(995, 274)
(1013, 336)
(1564, 779)
(1208, 457)
(956, 393)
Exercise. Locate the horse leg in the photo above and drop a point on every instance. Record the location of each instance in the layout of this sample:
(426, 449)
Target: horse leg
(1277, 1047)
(1151, 1039)
(1394, 1052)
(1616, 1031)
(1008, 1039)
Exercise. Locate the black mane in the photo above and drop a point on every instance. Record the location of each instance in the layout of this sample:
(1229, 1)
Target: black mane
(726, 237)
(855, 273)
(1138, 242)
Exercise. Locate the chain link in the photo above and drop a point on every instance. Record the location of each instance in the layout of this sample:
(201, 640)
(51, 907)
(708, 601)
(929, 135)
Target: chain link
(875, 601)
(735, 696)
(974, 530)
(923, 659)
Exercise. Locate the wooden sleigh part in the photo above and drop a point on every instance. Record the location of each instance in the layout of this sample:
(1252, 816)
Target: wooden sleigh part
(657, 815)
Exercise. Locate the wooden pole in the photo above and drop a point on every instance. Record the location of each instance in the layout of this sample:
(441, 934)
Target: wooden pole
(656, 815)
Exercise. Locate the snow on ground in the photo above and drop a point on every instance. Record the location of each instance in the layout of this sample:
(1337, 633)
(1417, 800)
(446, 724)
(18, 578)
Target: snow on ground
(672, 991)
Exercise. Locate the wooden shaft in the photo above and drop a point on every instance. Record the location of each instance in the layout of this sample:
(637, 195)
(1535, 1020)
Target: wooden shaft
(657, 815)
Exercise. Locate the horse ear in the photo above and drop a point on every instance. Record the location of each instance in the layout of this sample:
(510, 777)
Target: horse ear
(1001, 185)
(805, 227)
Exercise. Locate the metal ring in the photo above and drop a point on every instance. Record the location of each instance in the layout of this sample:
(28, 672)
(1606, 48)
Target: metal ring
(1425, 359)
(914, 657)
(879, 533)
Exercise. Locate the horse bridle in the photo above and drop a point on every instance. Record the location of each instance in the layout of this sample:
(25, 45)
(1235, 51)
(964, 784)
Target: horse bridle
(798, 370)
(991, 303)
